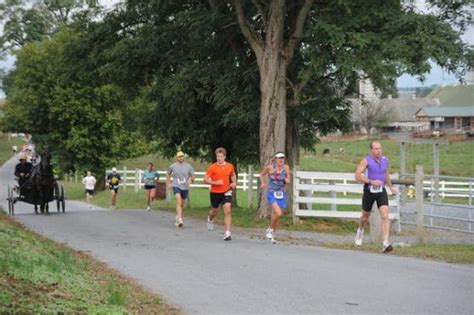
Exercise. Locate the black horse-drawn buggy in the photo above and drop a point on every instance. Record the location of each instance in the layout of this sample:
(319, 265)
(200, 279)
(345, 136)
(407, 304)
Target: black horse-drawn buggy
(39, 189)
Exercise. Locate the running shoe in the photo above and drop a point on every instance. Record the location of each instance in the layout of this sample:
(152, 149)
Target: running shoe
(147, 208)
(387, 247)
(227, 236)
(210, 225)
(269, 234)
(359, 236)
(180, 222)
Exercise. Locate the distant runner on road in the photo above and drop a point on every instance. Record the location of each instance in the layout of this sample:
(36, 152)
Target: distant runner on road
(89, 182)
(114, 179)
(150, 178)
(183, 176)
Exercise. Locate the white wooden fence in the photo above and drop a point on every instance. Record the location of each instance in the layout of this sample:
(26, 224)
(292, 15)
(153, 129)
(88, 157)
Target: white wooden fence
(133, 178)
(321, 188)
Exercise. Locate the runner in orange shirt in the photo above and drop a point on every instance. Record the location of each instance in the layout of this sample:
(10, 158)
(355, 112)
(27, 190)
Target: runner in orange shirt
(221, 176)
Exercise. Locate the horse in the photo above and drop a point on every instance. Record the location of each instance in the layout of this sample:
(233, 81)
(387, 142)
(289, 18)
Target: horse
(42, 183)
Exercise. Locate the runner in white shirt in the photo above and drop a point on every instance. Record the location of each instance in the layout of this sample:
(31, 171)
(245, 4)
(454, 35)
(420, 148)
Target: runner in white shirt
(89, 182)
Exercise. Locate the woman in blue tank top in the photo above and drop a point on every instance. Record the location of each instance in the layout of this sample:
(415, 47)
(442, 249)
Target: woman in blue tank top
(278, 174)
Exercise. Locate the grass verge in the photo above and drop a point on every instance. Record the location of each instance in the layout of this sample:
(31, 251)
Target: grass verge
(38, 276)
(452, 253)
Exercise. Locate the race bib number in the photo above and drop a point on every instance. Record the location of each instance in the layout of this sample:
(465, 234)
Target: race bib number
(114, 181)
(228, 193)
(278, 194)
(182, 180)
(375, 189)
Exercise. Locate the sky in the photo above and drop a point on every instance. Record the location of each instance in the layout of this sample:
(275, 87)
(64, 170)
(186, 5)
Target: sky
(437, 76)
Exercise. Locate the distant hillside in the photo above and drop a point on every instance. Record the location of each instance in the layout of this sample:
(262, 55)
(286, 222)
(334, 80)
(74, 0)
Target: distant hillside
(462, 95)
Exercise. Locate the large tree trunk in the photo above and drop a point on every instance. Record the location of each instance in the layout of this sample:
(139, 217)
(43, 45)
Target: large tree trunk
(273, 55)
(293, 155)
(272, 121)
(272, 66)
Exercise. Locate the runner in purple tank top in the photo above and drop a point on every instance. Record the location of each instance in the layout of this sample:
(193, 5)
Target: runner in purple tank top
(375, 167)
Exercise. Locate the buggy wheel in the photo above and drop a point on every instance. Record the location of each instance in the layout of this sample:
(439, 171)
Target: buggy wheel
(57, 196)
(11, 210)
(63, 199)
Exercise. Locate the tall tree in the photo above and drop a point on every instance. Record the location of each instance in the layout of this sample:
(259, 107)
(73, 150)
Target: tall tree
(29, 21)
(297, 41)
(68, 109)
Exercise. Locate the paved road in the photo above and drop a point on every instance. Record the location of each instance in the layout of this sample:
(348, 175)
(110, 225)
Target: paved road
(199, 272)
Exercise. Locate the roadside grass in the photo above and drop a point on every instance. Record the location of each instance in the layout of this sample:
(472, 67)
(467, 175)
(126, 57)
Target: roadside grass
(38, 276)
(6, 146)
(452, 253)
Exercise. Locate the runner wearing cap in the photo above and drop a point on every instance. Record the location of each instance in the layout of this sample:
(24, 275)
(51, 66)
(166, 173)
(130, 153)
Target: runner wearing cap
(221, 176)
(150, 178)
(183, 176)
(278, 176)
(114, 181)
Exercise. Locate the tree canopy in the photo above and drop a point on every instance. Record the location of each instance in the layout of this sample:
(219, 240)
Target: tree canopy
(252, 76)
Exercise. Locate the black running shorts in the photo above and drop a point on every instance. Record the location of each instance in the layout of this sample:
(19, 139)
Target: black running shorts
(369, 198)
(218, 199)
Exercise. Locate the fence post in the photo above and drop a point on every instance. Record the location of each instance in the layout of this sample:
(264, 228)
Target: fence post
(375, 225)
(75, 177)
(244, 181)
(470, 219)
(250, 187)
(124, 177)
(168, 196)
(443, 187)
(436, 171)
(432, 190)
(403, 188)
(137, 179)
(419, 204)
(294, 182)
(345, 183)
(470, 192)
(333, 195)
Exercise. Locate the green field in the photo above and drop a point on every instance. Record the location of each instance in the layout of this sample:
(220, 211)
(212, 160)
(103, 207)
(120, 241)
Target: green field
(456, 158)
(38, 276)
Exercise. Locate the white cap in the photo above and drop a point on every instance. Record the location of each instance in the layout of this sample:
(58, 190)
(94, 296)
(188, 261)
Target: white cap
(279, 155)
(114, 169)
